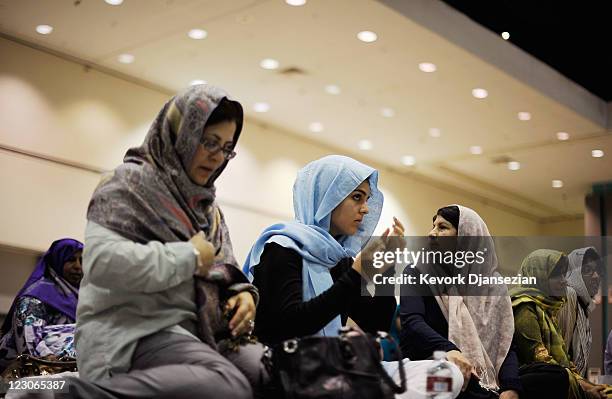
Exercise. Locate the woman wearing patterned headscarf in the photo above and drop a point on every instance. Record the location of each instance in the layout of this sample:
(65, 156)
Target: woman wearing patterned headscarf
(541, 348)
(583, 279)
(304, 269)
(41, 319)
(146, 327)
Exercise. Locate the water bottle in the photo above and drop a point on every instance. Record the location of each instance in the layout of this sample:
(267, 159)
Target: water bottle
(439, 384)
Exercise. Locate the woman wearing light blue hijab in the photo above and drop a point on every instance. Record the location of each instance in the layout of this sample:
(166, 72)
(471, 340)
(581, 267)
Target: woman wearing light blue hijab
(304, 269)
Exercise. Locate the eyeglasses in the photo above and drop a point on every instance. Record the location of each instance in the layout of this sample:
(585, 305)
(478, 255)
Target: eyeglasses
(214, 147)
(591, 268)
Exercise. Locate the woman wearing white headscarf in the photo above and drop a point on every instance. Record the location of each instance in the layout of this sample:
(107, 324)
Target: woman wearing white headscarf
(582, 284)
(474, 330)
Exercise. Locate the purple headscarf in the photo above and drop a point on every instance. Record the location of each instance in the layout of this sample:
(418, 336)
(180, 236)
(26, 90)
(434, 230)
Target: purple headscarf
(42, 285)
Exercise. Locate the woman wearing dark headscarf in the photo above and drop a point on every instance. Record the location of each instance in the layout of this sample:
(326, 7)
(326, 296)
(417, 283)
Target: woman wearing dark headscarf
(583, 279)
(41, 319)
(474, 330)
(146, 327)
(537, 334)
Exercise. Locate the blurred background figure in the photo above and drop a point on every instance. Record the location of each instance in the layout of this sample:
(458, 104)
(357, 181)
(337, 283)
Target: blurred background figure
(583, 279)
(41, 319)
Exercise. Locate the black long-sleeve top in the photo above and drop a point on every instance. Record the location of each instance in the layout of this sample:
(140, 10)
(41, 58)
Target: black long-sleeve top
(425, 330)
(282, 312)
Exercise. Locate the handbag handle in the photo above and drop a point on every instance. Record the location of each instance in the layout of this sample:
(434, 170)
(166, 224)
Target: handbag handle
(401, 388)
(386, 378)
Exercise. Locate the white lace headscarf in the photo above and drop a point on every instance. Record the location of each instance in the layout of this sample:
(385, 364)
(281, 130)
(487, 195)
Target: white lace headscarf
(480, 326)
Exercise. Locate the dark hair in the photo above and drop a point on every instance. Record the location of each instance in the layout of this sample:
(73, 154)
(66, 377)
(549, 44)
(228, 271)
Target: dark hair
(591, 255)
(227, 111)
(557, 270)
(450, 213)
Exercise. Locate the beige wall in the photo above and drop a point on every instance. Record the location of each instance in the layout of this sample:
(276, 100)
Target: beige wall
(58, 108)
(567, 228)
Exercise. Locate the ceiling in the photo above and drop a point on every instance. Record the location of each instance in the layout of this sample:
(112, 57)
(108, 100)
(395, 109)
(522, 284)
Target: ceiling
(316, 45)
(569, 37)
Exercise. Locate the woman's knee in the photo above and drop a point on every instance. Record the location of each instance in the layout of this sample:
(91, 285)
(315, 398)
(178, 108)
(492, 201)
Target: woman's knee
(248, 359)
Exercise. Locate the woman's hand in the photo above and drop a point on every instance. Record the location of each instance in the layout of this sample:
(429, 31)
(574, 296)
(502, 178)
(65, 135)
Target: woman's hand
(509, 395)
(207, 253)
(390, 239)
(464, 365)
(243, 320)
(592, 391)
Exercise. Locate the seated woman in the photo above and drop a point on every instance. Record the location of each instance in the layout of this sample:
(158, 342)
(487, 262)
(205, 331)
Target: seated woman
(608, 355)
(304, 269)
(540, 345)
(41, 319)
(146, 327)
(474, 331)
(583, 281)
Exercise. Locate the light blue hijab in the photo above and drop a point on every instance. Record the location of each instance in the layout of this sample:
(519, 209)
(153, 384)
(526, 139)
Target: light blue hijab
(319, 188)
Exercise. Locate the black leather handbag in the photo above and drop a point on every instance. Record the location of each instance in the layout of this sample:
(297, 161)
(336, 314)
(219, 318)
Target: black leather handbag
(28, 366)
(347, 367)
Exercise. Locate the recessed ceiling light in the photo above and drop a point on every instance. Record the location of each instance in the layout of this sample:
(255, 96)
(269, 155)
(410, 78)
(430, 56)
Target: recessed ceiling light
(261, 107)
(480, 93)
(367, 36)
(505, 35)
(434, 132)
(364, 145)
(197, 34)
(316, 127)
(427, 67)
(562, 136)
(597, 153)
(476, 150)
(126, 58)
(332, 89)
(44, 29)
(269, 63)
(197, 82)
(114, 2)
(557, 183)
(295, 3)
(514, 165)
(387, 112)
(408, 160)
(524, 116)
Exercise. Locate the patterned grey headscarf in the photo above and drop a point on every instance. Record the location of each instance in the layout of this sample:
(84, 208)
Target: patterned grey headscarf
(150, 196)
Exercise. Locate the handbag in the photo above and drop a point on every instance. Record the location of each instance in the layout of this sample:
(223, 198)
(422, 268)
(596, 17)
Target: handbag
(347, 366)
(29, 366)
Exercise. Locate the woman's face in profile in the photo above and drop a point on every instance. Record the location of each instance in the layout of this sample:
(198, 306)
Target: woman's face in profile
(205, 162)
(557, 282)
(348, 215)
(73, 271)
(442, 235)
(442, 228)
(591, 273)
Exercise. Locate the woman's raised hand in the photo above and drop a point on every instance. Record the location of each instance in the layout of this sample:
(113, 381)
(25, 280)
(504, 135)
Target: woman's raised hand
(390, 239)
(206, 252)
(394, 237)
